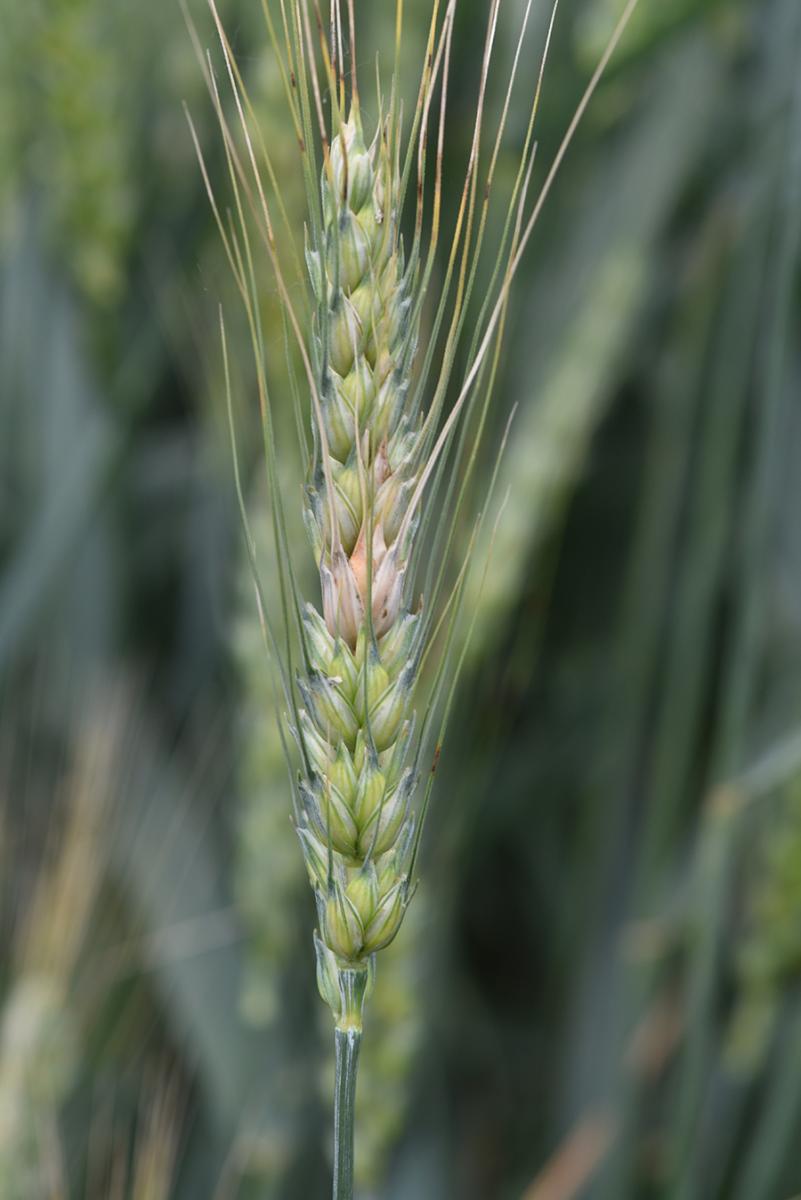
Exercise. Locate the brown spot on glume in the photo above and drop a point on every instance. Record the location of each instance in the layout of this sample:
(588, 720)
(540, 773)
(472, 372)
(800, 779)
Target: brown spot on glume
(385, 614)
(383, 470)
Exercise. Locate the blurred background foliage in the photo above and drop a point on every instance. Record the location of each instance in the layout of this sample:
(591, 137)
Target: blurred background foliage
(597, 993)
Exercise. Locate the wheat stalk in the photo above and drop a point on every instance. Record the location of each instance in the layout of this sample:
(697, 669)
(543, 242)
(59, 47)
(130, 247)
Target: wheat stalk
(389, 461)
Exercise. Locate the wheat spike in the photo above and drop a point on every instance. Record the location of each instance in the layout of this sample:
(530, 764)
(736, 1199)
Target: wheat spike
(364, 650)
(383, 439)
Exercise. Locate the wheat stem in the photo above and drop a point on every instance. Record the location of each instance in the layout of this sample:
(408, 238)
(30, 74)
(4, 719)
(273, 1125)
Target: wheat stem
(347, 1043)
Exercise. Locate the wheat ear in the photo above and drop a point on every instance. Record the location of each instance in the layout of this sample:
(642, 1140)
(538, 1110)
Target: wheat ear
(376, 462)
(356, 724)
